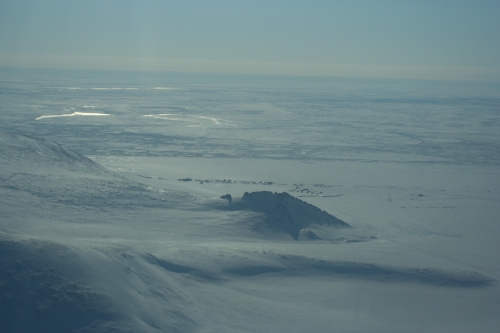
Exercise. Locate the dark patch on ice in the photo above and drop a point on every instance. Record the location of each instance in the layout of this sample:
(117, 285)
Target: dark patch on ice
(228, 197)
(225, 181)
(286, 212)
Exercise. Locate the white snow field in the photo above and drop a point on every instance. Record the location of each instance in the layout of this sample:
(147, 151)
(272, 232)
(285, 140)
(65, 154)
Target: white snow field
(247, 204)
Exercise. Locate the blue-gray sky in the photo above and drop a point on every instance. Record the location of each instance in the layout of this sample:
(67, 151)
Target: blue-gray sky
(406, 39)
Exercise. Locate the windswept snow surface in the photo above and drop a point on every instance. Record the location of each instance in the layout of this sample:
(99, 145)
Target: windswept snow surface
(80, 114)
(292, 205)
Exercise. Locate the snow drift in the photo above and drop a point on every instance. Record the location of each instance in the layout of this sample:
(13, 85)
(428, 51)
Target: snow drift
(48, 286)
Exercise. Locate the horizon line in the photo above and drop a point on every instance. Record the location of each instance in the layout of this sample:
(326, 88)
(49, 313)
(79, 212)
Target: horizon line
(237, 67)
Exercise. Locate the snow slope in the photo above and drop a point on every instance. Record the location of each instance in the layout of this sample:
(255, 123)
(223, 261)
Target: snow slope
(21, 152)
(83, 249)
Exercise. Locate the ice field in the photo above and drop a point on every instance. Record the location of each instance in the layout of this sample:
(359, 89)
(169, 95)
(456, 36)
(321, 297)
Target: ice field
(143, 202)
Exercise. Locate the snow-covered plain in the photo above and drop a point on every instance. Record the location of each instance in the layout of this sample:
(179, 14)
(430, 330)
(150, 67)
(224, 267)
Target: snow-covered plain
(355, 206)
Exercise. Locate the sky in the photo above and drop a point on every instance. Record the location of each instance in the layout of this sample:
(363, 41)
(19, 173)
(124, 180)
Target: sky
(450, 40)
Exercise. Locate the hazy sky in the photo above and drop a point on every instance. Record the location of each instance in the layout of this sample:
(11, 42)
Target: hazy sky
(415, 39)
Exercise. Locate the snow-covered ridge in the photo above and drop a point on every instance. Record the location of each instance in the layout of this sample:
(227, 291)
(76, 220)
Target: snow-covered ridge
(56, 174)
(25, 152)
(286, 212)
